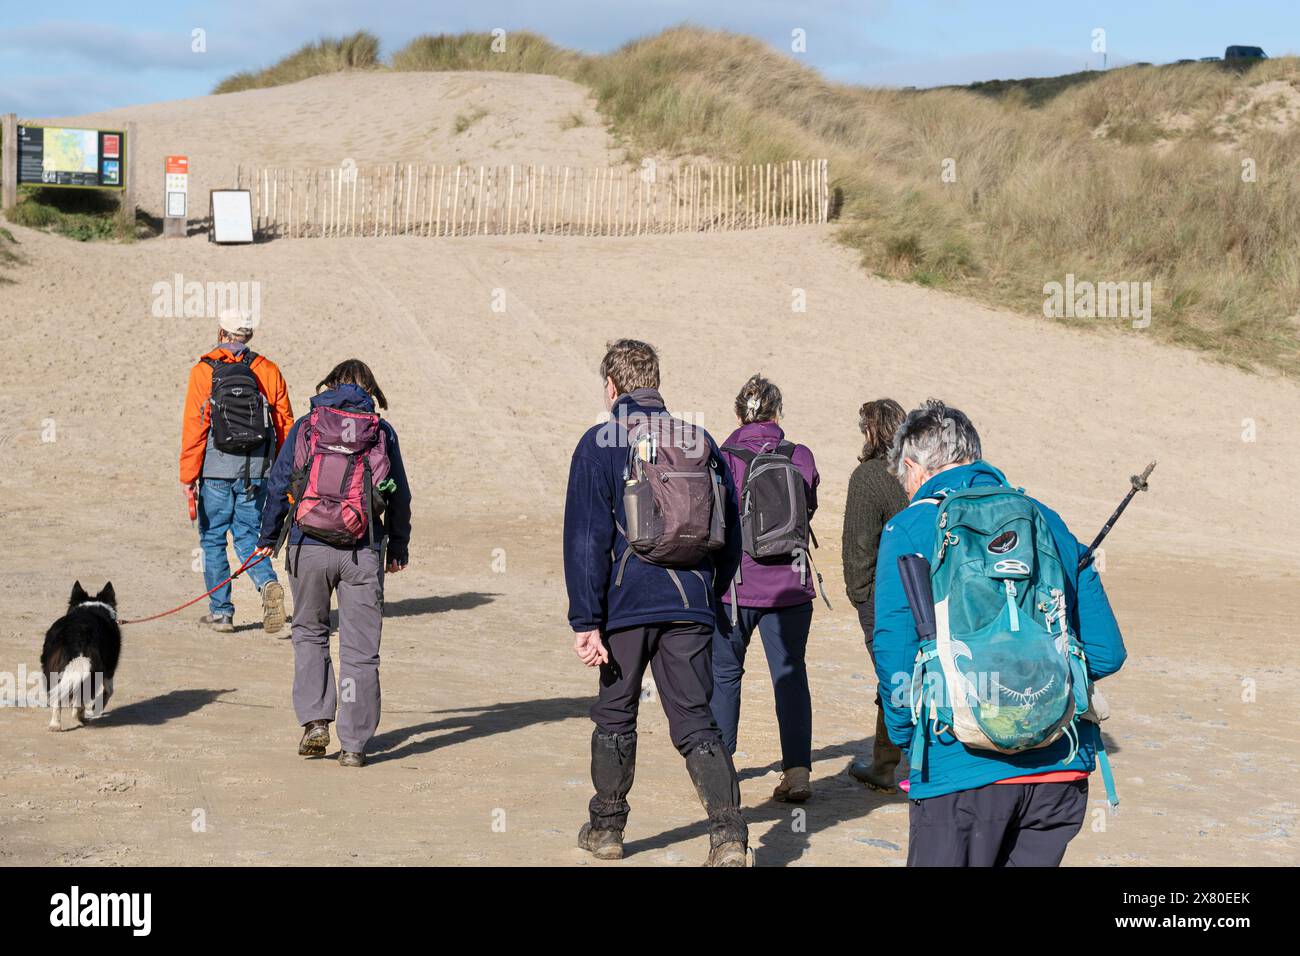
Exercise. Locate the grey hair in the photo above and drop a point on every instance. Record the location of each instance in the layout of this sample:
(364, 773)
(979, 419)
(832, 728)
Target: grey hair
(934, 436)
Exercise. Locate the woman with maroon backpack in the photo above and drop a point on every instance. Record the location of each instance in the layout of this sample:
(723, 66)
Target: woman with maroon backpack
(776, 484)
(338, 496)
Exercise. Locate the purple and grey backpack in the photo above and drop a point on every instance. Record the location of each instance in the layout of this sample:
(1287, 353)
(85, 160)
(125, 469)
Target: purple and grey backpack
(339, 459)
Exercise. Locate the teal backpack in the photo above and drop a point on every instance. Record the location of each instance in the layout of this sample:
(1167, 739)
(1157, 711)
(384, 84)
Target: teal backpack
(1002, 671)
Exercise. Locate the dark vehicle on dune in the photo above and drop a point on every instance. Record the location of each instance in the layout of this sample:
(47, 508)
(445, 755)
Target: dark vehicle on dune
(1244, 53)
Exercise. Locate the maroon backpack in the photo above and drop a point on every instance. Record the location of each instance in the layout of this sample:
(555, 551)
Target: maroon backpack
(672, 494)
(339, 457)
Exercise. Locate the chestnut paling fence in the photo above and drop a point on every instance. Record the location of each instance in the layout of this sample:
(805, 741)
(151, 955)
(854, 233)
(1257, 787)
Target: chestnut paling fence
(414, 199)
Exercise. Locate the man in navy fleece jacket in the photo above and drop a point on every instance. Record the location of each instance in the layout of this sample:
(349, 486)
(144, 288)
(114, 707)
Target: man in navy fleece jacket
(644, 617)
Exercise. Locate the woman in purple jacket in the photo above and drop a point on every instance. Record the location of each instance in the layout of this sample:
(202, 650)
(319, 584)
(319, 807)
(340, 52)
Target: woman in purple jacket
(776, 597)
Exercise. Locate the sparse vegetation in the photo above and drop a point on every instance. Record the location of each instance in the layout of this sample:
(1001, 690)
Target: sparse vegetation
(360, 51)
(465, 120)
(1115, 176)
(82, 214)
(9, 255)
(573, 121)
(524, 53)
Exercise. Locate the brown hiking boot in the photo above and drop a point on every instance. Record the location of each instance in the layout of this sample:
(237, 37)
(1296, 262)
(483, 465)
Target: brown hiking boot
(272, 607)
(602, 844)
(349, 759)
(794, 786)
(315, 738)
(880, 773)
(730, 854)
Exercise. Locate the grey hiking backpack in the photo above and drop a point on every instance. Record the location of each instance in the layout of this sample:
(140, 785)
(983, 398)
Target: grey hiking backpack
(672, 496)
(774, 520)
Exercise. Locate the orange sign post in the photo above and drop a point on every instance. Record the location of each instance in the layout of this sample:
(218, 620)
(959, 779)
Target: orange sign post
(176, 191)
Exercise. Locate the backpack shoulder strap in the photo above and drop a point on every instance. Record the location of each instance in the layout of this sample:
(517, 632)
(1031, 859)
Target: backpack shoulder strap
(248, 356)
(210, 362)
(785, 449)
(929, 500)
(744, 454)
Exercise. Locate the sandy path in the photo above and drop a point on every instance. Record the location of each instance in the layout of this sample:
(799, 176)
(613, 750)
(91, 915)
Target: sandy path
(484, 718)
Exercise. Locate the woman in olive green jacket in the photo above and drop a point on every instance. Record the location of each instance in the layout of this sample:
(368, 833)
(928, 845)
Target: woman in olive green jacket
(875, 496)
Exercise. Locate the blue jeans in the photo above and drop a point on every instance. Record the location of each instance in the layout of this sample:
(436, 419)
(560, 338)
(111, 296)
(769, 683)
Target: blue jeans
(225, 507)
(784, 631)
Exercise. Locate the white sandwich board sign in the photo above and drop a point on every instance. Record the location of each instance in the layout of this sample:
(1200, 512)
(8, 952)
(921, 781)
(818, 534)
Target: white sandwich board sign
(232, 215)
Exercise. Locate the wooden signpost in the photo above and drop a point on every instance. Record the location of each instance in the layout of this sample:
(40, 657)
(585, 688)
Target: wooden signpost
(9, 162)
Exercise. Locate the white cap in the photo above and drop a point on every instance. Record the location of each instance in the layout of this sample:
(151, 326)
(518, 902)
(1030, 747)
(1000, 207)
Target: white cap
(238, 322)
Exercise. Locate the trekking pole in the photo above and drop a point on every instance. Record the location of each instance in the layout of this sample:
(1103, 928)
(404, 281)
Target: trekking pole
(1139, 483)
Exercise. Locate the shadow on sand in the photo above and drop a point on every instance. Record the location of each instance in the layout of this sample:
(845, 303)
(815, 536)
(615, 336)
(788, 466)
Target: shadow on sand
(158, 710)
(835, 800)
(437, 603)
(471, 723)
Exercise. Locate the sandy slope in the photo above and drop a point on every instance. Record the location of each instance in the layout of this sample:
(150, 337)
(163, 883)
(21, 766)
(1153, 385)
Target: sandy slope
(481, 756)
(365, 117)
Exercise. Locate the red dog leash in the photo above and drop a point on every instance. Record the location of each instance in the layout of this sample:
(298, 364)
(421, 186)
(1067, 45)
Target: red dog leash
(242, 568)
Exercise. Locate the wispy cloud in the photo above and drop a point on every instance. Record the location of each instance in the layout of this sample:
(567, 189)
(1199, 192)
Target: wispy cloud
(115, 48)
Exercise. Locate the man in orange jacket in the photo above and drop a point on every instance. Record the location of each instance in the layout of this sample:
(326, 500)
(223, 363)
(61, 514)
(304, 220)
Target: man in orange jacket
(237, 414)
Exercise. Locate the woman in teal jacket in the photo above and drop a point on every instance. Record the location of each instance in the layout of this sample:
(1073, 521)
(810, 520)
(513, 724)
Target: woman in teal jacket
(938, 450)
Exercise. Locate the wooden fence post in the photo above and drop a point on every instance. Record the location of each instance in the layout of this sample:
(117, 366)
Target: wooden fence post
(9, 162)
(126, 208)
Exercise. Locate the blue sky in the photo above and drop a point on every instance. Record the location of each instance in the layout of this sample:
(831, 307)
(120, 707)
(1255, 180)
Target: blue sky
(74, 57)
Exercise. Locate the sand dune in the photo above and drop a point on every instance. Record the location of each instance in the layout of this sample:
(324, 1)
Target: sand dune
(365, 117)
(484, 704)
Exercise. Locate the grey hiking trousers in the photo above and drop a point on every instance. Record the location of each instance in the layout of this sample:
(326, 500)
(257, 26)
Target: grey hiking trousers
(316, 571)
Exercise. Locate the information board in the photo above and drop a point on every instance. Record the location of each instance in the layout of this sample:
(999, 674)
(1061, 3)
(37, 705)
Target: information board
(85, 158)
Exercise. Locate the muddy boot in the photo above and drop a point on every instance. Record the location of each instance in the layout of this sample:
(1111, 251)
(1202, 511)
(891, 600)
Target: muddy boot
(602, 844)
(885, 757)
(730, 854)
(613, 765)
(315, 738)
(714, 776)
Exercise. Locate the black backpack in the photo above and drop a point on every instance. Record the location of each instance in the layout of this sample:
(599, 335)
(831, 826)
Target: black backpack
(239, 417)
(774, 520)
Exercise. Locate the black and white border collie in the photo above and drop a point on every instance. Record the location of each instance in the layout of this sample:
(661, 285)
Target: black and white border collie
(80, 655)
